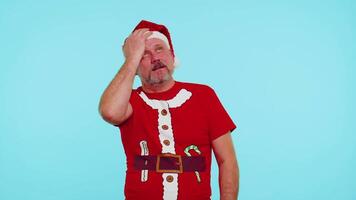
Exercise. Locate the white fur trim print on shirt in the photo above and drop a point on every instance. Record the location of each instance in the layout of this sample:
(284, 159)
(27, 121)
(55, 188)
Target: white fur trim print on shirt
(166, 136)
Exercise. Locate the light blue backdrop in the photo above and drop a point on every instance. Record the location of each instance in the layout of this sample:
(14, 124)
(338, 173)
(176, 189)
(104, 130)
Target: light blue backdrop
(284, 70)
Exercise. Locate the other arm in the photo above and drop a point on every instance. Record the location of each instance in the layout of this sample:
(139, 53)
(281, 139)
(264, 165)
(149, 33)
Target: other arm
(228, 168)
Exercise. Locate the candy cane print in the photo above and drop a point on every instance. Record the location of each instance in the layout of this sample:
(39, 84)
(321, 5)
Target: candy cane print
(186, 151)
(144, 152)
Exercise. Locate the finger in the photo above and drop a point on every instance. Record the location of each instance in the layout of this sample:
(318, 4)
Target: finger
(142, 33)
(136, 32)
(124, 43)
(147, 34)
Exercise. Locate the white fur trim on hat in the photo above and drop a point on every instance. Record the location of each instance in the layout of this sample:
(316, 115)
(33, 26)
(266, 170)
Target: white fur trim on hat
(159, 35)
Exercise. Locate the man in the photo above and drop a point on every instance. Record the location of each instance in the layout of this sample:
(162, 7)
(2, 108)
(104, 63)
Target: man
(168, 128)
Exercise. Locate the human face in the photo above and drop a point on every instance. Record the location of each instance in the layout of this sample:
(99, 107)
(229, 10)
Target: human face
(157, 63)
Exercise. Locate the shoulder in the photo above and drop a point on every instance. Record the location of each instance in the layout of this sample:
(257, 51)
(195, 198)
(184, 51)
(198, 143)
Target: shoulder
(201, 93)
(197, 87)
(134, 97)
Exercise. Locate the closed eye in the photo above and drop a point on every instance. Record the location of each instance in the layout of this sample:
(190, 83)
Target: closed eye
(159, 49)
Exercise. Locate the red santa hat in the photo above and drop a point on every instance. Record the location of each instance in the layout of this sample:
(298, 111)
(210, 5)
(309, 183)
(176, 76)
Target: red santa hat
(159, 31)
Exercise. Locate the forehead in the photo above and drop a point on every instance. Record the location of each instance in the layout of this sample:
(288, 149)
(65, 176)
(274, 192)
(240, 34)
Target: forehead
(153, 42)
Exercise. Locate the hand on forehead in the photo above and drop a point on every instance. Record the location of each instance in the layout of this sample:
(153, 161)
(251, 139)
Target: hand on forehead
(158, 31)
(141, 31)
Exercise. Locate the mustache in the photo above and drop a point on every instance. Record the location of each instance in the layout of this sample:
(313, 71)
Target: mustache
(157, 64)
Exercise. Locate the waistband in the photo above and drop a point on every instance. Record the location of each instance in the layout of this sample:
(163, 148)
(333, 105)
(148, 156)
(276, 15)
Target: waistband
(170, 163)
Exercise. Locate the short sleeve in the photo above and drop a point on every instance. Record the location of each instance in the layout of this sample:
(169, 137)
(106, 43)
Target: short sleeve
(219, 121)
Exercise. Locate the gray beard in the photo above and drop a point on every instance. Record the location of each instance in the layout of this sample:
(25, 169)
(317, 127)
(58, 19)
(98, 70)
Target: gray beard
(154, 81)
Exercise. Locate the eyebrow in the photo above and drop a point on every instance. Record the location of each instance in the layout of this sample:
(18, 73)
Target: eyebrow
(155, 46)
(158, 45)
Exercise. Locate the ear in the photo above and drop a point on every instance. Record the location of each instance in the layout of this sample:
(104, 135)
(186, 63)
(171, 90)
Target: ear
(176, 62)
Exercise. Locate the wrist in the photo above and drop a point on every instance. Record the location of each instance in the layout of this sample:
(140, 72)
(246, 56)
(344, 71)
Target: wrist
(132, 62)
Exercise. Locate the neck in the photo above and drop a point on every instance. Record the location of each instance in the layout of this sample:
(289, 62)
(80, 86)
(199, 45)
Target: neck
(159, 87)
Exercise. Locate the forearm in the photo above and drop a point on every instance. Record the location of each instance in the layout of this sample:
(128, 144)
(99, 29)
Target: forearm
(229, 180)
(115, 99)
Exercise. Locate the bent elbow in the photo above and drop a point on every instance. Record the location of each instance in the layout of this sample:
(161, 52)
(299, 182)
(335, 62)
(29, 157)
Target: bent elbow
(111, 117)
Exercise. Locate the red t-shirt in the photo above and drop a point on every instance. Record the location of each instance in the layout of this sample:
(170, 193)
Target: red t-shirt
(197, 120)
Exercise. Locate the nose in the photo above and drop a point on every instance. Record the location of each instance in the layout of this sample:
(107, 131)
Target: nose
(154, 57)
(154, 60)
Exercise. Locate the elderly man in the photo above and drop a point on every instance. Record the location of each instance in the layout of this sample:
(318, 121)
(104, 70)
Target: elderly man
(168, 128)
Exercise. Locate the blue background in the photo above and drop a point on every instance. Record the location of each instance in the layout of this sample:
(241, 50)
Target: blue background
(284, 70)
